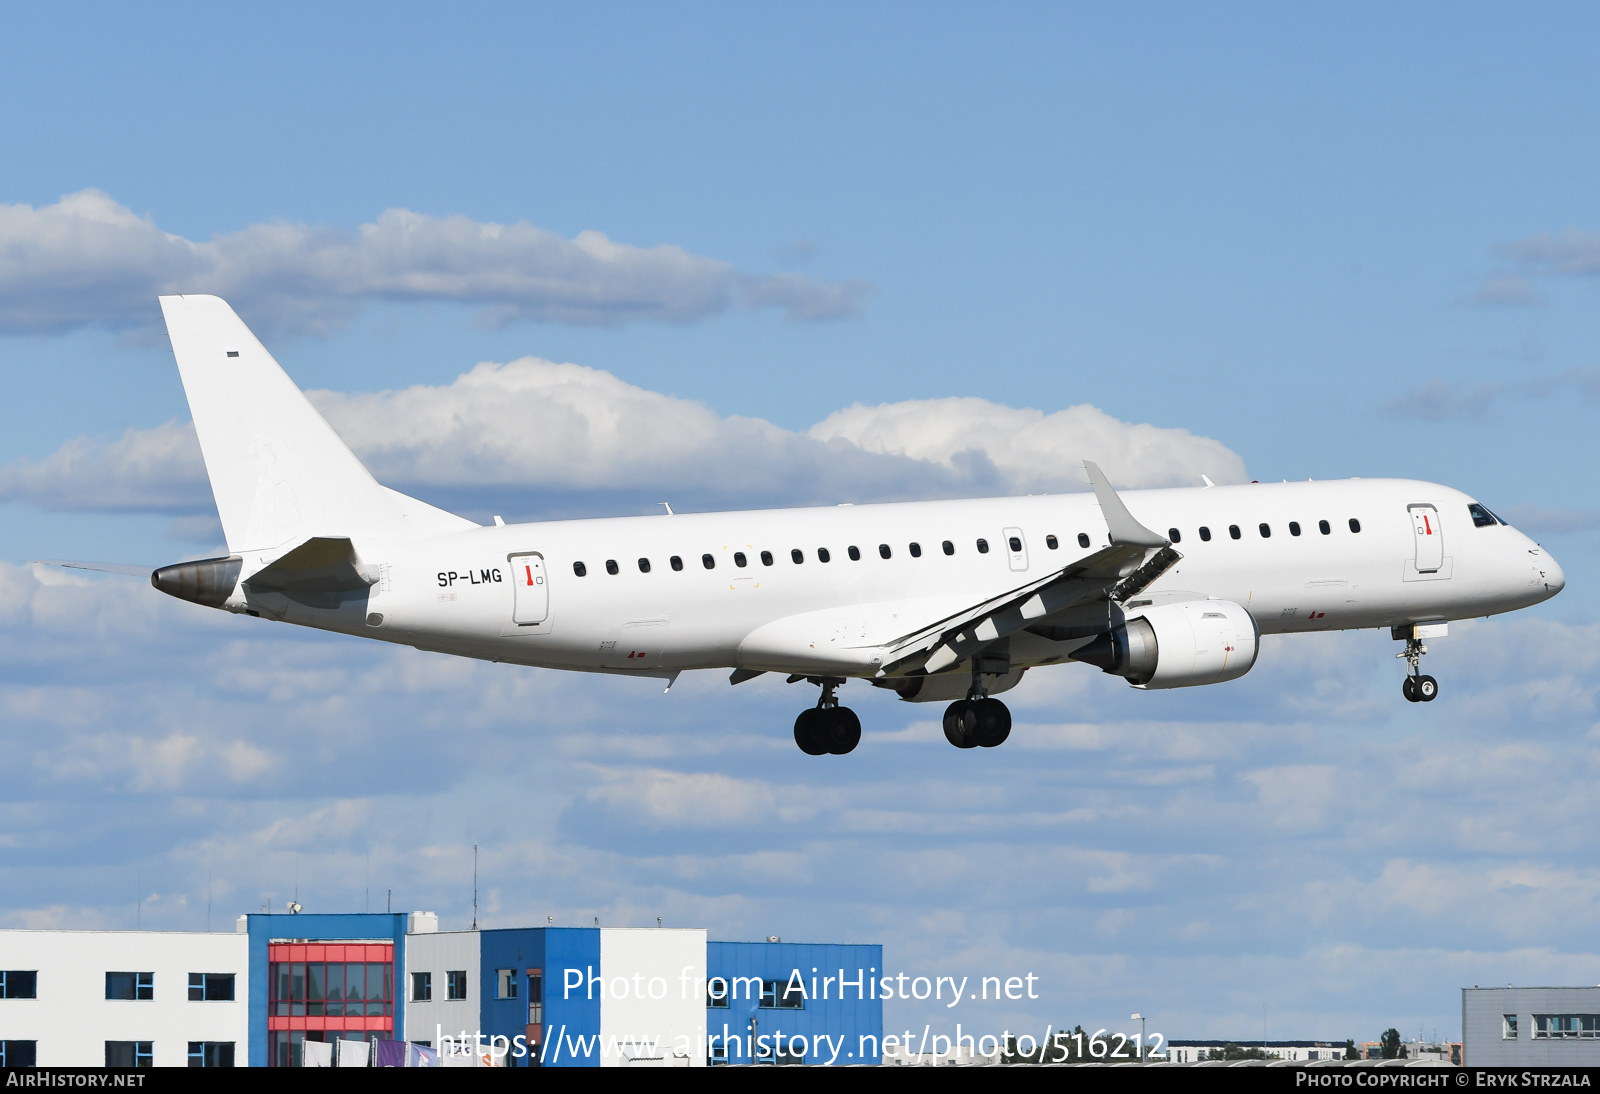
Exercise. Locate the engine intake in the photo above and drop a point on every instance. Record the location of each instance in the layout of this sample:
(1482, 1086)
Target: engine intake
(1178, 645)
(208, 581)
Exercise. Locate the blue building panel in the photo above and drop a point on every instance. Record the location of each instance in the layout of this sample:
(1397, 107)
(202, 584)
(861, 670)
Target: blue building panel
(568, 1009)
(315, 928)
(820, 1005)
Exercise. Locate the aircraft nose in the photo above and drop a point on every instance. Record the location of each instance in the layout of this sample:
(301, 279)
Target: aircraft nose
(1555, 579)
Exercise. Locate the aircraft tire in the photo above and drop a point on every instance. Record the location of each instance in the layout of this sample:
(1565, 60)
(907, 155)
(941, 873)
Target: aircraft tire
(1408, 688)
(1427, 689)
(993, 723)
(805, 732)
(840, 730)
(959, 722)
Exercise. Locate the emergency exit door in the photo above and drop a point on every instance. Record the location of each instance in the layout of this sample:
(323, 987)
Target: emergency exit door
(533, 592)
(1428, 537)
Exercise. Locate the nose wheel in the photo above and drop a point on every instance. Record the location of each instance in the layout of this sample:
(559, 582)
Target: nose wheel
(1416, 687)
(827, 728)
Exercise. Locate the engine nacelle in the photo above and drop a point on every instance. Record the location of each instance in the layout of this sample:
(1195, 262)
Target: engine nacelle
(1178, 645)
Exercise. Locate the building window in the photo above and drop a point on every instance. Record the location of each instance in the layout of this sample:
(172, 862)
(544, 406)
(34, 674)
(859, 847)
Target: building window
(1586, 1026)
(330, 989)
(983, 545)
(535, 997)
(18, 1053)
(823, 555)
(579, 568)
(854, 553)
(211, 986)
(129, 1054)
(717, 992)
(779, 995)
(766, 558)
(456, 984)
(210, 1053)
(1508, 1027)
(19, 984)
(677, 562)
(505, 983)
(421, 987)
(130, 985)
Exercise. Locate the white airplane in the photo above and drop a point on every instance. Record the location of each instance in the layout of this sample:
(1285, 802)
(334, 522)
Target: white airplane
(949, 601)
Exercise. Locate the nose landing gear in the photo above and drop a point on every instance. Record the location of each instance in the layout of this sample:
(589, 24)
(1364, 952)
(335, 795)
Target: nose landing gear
(1416, 687)
(827, 727)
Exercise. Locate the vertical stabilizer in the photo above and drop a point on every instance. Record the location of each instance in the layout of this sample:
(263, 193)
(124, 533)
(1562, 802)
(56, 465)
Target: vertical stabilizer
(278, 471)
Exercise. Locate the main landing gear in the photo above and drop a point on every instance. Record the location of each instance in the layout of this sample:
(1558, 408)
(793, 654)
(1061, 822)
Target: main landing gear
(977, 721)
(827, 727)
(1416, 687)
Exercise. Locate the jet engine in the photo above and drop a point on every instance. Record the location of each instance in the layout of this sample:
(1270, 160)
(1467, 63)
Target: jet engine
(1178, 645)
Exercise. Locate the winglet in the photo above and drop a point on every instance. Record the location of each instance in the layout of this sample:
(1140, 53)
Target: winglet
(1124, 529)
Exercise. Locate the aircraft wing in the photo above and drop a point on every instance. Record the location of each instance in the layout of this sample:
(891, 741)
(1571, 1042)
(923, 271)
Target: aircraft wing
(1135, 558)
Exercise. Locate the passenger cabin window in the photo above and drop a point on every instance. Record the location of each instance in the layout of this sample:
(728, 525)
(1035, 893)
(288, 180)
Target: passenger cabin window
(739, 560)
(916, 550)
(883, 550)
(1014, 543)
(611, 566)
(677, 562)
(1266, 531)
(708, 562)
(1355, 525)
(644, 565)
(1481, 517)
(855, 554)
(1294, 528)
(797, 556)
(1324, 527)
(579, 568)
(1052, 542)
(1205, 534)
(983, 546)
(1233, 531)
(823, 555)
(766, 558)
(1083, 539)
(1174, 535)
(948, 547)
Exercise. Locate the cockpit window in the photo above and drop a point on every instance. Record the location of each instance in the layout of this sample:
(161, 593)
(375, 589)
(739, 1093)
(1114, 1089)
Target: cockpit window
(1482, 517)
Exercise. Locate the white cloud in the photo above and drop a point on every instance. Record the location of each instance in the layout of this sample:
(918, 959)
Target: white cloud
(540, 427)
(89, 260)
(1573, 251)
(1441, 401)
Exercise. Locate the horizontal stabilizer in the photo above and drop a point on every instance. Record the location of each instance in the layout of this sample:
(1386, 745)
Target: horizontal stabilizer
(318, 565)
(127, 569)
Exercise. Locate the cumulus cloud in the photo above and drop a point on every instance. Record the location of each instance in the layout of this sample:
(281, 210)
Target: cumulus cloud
(536, 426)
(90, 260)
(1573, 252)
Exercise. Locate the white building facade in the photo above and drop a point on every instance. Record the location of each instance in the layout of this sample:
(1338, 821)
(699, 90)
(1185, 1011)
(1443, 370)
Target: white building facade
(123, 998)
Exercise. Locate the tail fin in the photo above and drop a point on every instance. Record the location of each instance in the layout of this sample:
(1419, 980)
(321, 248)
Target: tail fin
(279, 473)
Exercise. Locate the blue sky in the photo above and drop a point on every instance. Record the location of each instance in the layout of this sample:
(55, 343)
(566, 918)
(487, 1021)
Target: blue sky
(1322, 243)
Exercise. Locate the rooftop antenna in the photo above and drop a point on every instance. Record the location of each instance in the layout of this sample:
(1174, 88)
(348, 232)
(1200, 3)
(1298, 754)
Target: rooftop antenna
(138, 901)
(208, 900)
(297, 877)
(367, 906)
(474, 884)
(388, 904)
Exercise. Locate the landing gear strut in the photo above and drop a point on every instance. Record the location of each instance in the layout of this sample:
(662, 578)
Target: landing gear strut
(1416, 687)
(827, 727)
(977, 721)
